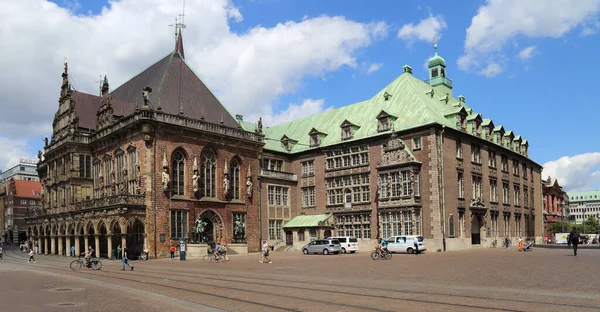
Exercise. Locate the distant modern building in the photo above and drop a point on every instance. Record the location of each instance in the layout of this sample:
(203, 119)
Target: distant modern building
(25, 170)
(19, 197)
(554, 204)
(582, 205)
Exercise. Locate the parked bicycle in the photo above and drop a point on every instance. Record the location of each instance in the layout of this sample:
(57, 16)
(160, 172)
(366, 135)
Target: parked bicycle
(93, 264)
(377, 254)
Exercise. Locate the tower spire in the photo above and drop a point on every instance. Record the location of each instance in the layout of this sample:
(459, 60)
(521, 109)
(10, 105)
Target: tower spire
(179, 25)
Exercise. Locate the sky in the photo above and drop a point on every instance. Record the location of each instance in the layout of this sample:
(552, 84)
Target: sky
(528, 65)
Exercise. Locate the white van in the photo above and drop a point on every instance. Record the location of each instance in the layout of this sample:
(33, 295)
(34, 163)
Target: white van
(405, 243)
(349, 243)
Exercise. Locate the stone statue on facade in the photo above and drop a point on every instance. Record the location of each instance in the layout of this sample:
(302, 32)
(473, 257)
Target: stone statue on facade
(45, 141)
(249, 187)
(239, 228)
(195, 176)
(225, 184)
(39, 156)
(145, 95)
(165, 179)
(260, 125)
(199, 226)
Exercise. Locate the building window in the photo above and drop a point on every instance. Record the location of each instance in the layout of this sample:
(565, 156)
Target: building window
(383, 124)
(506, 225)
(357, 186)
(532, 199)
(417, 186)
(315, 140)
(301, 235)
(434, 73)
(85, 162)
(517, 194)
(120, 160)
(461, 185)
(459, 153)
(357, 225)
(494, 222)
(208, 173)
(308, 196)
(451, 226)
(178, 224)
(239, 227)
(97, 177)
(278, 195)
(408, 224)
(347, 133)
(505, 193)
(347, 157)
(108, 176)
(518, 225)
(178, 173)
(272, 164)
(493, 191)
(275, 229)
(492, 159)
(525, 197)
(132, 157)
(405, 183)
(504, 163)
(477, 187)
(308, 168)
(234, 173)
(475, 154)
(524, 167)
(515, 167)
(416, 144)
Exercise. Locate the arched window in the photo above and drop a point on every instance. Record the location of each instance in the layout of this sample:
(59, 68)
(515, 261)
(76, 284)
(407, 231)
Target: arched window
(208, 173)
(177, 172)
(234, 172)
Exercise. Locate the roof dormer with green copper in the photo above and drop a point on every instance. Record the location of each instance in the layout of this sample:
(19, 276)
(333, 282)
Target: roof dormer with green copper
(437, 72)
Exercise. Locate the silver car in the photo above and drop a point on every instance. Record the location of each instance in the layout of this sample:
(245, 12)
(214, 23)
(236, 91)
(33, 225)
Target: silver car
(324, 246)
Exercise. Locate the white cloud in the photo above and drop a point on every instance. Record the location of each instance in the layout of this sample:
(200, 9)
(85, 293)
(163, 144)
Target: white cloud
(577, 172)
(246, 70)
(294, 111)
(526, 53)
(492, 70)
(499, 21)
(12, 151)
(425, 30)
(374, 67)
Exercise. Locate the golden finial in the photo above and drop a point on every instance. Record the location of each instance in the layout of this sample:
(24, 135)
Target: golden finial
(434, 40)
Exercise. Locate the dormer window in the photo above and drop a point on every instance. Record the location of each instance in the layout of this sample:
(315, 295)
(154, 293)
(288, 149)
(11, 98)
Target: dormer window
(384, 121)
(347, 133)
(348, 129)
(287, 143)
(315, 140)
(386, 96)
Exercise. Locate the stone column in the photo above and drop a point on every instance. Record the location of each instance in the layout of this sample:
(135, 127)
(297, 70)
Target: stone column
(110, 248)
(86, 242)
(39, 242)
(77, 246)
(53, 244)
(60, 245)
(68, 242)
(123, 241)
(97, 245)
(45, 245)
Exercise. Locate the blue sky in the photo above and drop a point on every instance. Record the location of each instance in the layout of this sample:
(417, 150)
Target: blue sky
(540, 77)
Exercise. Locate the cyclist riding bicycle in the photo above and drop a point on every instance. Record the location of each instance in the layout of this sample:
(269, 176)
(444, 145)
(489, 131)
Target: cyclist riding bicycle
(382, 245)
(218, 251)
(88, 256)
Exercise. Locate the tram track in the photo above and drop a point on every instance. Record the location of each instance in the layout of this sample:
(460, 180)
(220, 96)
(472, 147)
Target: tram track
(215, 281)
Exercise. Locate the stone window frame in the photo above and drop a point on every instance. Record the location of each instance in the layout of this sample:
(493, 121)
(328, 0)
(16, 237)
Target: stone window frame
(347, 157)
(278, 195)
(451, 230)
(120, 164)
(132, 168)
(178, 227)
(85, 171)
(493, 190)
(476, 186)
(476, 154)
(417, 143)
(459, 153)
(97, 174)
(349, 224)
(347, 133)
(208, 173)
(107, 166)
(461, 184)
(517, 195)
(272, 164)
(308, 168)
(492, 159)
(357, 184)
(308, 197)
(235, 177)
(178, 174)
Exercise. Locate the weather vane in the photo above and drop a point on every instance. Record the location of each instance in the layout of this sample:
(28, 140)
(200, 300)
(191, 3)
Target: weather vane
(179, 20)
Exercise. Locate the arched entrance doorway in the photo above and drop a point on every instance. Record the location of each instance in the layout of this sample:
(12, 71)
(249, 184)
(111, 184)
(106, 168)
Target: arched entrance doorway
(63, 241)
(91, 239)
(475, 230)
(80, 236)
(103, 241)
(116, 236)
(289, 238)
(208, 227)
(135, 238)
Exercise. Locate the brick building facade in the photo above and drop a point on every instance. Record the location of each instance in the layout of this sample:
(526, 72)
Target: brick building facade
(553, 205)
(144, 169)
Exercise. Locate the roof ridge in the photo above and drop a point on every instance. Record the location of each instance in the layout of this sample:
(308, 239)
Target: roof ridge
(139, 73)
(162, 79)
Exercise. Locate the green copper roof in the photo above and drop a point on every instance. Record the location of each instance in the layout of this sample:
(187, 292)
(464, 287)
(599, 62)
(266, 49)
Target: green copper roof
(486, 122)
(584, 196)
(436, 59)
(304, 221)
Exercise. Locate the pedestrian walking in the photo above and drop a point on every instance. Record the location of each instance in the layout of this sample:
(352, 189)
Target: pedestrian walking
(416, 245)
(119, 251)
(31, 256)
(73, 251)
(172, 250)
(574, 235)
(265, 252)
(224, 249)
(124, 259)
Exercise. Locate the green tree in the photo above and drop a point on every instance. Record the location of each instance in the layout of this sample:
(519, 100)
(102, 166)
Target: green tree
(591, 226)
(557, 227)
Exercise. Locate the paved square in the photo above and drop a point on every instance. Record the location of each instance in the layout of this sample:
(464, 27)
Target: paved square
(477, 280)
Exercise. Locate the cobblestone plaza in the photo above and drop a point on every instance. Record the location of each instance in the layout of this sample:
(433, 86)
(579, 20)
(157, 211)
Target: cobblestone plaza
(476, 280)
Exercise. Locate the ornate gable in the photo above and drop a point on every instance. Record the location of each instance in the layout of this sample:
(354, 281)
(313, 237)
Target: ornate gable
(315, 137)
(105, 113)
(395, 153)
(288, 143)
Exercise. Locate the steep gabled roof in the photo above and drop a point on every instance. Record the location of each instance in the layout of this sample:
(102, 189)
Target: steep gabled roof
(28, 189)
(175, 88)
